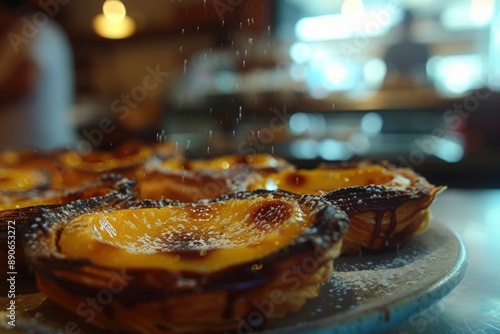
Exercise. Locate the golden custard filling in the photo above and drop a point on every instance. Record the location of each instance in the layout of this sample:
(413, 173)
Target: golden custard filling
(225, 162)
(9, 204)
(322, 180)
(21, 179)
(198, 238)
(106, 161)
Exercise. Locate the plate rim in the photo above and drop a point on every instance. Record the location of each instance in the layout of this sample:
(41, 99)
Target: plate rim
(398, 309)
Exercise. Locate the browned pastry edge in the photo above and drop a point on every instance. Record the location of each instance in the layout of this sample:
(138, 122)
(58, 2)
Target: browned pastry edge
(110, 191)
(194, 185)
(391, 215)
(125, 153)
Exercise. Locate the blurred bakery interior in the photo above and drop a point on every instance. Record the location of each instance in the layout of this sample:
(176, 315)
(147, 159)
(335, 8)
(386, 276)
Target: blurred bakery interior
(415, 82)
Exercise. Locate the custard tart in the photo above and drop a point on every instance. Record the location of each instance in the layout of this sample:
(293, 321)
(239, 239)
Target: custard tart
(22, 179)
(385, 216)
(69, 168)
(264, 163)
(193, 185)
(16, 199)
(171, 267)
(386, 204)
(18, 209)
(192, 180)
(29, 162)
(127, 159)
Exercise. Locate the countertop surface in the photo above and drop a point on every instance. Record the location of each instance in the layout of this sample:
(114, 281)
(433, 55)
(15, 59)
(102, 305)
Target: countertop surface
(474, 305)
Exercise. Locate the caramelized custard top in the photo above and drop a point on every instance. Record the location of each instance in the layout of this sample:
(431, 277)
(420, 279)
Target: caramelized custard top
(191, 237)
(107, 161)
(21, 179)
(226, 161)
(8, 203)
(321, 180)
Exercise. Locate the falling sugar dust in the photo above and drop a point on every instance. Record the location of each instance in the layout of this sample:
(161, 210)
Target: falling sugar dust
(228, 70)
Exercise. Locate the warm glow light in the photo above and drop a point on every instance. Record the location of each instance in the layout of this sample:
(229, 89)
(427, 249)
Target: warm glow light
(114, 10)
(113, 30)
(352, 7)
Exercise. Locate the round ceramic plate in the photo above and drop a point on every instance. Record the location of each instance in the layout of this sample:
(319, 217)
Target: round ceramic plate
(371, 293)
(366, 293)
